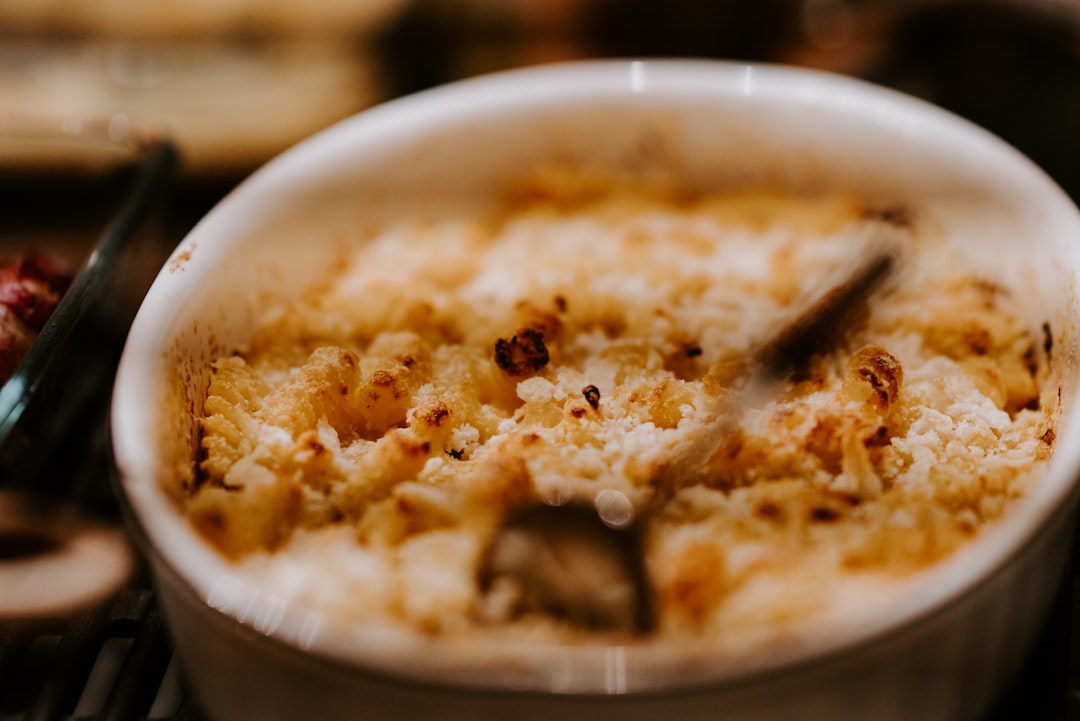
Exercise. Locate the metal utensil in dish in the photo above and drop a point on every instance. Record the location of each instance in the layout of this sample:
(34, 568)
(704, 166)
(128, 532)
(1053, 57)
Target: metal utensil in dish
(582, 562)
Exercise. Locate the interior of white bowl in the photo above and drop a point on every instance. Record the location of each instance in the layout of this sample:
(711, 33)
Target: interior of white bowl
(713, 125)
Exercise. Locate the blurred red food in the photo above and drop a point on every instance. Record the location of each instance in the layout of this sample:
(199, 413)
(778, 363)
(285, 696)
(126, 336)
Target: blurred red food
(30, 288)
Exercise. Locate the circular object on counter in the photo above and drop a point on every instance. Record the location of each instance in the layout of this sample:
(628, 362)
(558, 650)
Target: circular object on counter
(55, 558)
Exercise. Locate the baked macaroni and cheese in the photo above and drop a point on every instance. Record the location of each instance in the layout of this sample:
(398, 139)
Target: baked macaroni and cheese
(592, 346)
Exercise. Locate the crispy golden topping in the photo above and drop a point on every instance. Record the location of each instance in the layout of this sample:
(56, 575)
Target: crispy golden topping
(391, 423)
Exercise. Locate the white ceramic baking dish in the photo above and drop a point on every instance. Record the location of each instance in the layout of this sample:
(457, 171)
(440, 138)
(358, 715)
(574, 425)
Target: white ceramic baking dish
(942, 651)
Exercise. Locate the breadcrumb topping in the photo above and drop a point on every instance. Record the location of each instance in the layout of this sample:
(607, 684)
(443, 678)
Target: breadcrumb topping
(362, 451)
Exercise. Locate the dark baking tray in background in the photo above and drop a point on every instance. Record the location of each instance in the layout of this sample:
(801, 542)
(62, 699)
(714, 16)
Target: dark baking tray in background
(91, 191)
(85, 190)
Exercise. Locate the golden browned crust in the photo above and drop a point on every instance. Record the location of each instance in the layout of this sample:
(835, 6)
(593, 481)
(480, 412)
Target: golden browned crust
(598, 340)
